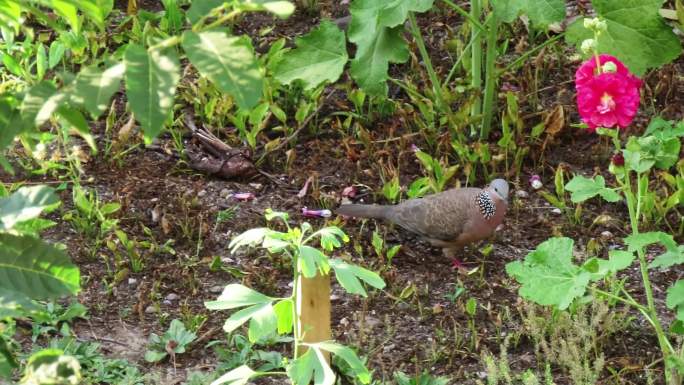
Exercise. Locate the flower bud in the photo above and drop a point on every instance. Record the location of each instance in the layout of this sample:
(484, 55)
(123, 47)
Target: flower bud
(600, 26)
(590, 23)
(589, 46)
(609, 67)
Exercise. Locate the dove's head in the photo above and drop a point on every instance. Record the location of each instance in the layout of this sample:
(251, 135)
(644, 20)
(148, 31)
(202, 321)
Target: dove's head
(500, 188)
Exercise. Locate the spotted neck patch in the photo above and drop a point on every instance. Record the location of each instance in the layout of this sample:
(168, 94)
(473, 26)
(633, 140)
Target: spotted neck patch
(485, 204)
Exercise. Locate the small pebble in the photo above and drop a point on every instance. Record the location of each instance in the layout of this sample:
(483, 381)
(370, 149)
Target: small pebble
(334, 297)
(522, 194)
(132, 281)
(256, 186)
(167, 302)
(606, 235)
(150, 309)
(557, 211)
(224, 193)
(202, 193)
(172, 297)
(216, 289)
(344, 322)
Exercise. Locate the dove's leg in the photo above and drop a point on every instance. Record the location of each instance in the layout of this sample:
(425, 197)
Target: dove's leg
(451, 253)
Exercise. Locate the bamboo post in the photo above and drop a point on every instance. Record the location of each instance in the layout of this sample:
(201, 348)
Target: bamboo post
(313, 306)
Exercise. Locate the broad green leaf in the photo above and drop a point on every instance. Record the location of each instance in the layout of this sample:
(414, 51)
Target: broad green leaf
(350, 357)
(11, 64)
(673, 255)
(320, 55)
(35, 100)
(154, 355)
(237, 376)
(547, 275)
(151, 79)
(178, 333)
(73, 119)
(229, 62)
(94, 88)
(263, 323)
(312, 261)
(41, 61)
(270, 215)
(617, 260)
(236, 295)
(32, 268)
(632, 23)
(24, 204)
(55, 53)
(10, 123)
(69, 12)
(376, 28)
(540, 12)
(7, 360)
(250, 237)
(331, 237)
(51, 366)
(350, 277)
(310, 365)
(582, 188)
(200, 8)
(283, 310)
(675, 299)
(241, 316)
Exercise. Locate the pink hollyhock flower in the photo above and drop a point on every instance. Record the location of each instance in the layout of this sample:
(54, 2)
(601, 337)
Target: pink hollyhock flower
(606, 99)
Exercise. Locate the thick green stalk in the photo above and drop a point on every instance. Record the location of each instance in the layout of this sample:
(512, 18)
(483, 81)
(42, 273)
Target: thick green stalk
(436, 86)
(634, 210)
(476, 61)
(491, 78)
(295, 312)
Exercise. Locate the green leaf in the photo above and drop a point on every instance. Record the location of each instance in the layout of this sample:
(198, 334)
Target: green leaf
(331, 237)
(38, 270)
(11, 64)
(229, 62)
(582, 188)
(24, 204)
(310, 365)
(547, 275)
(675, 299)
(55, 53)
(41, 61)
(673, 255)
(240, 317)
(350, 357)
(94, 88)
(200, 8)
(320, 55)
(35, 100)
(283, 310)
(151, 79)
(540, 12)
(250, 237)
(11, 123)
(52, 366)
(262, 323)
(155, 355)
(312, 261)
(239, 375)
(376, 29)
(69, 12)
(73, 119)
(632, 23)
(350, 277)
(236, 295)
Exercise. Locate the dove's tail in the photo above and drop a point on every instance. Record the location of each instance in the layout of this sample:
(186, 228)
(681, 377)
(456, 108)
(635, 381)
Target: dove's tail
(364, 211)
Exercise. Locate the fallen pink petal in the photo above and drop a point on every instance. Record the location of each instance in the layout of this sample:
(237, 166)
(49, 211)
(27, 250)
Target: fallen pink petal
(349, 192)
(324, 213)
(247, 196)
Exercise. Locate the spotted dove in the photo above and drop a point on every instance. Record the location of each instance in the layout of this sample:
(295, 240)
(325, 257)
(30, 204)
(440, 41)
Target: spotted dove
(450, 219)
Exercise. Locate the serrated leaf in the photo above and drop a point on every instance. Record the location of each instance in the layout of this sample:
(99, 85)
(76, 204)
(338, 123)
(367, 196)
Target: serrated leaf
(250, 237)
(32, 268)
(350, 277)
(583, 188)
(237, 376)
(540, 12)
(675, 299)
(151, 79)
(617, 260)
(236, 295)
(320, 56)
(229, 62)
(632, 23)
(312, 261)
(94, 88)
(310, 365)
(331, 237)
(24, 204)
(547, 275)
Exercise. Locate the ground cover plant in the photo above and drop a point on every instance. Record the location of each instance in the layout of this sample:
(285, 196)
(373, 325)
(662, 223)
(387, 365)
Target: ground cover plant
(170, 173)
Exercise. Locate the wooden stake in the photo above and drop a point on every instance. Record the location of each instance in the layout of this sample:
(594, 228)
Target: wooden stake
(313, 305)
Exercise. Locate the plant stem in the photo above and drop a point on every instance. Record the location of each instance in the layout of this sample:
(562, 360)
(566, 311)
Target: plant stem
(473, 20)
(491, 77)
(626, 301)
(527, 54)
(436, 86)
(476, 61)
(166, 43)
(665, 345)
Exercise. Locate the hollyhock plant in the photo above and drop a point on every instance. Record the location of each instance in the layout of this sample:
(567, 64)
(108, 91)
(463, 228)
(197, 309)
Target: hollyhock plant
(607, 96)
